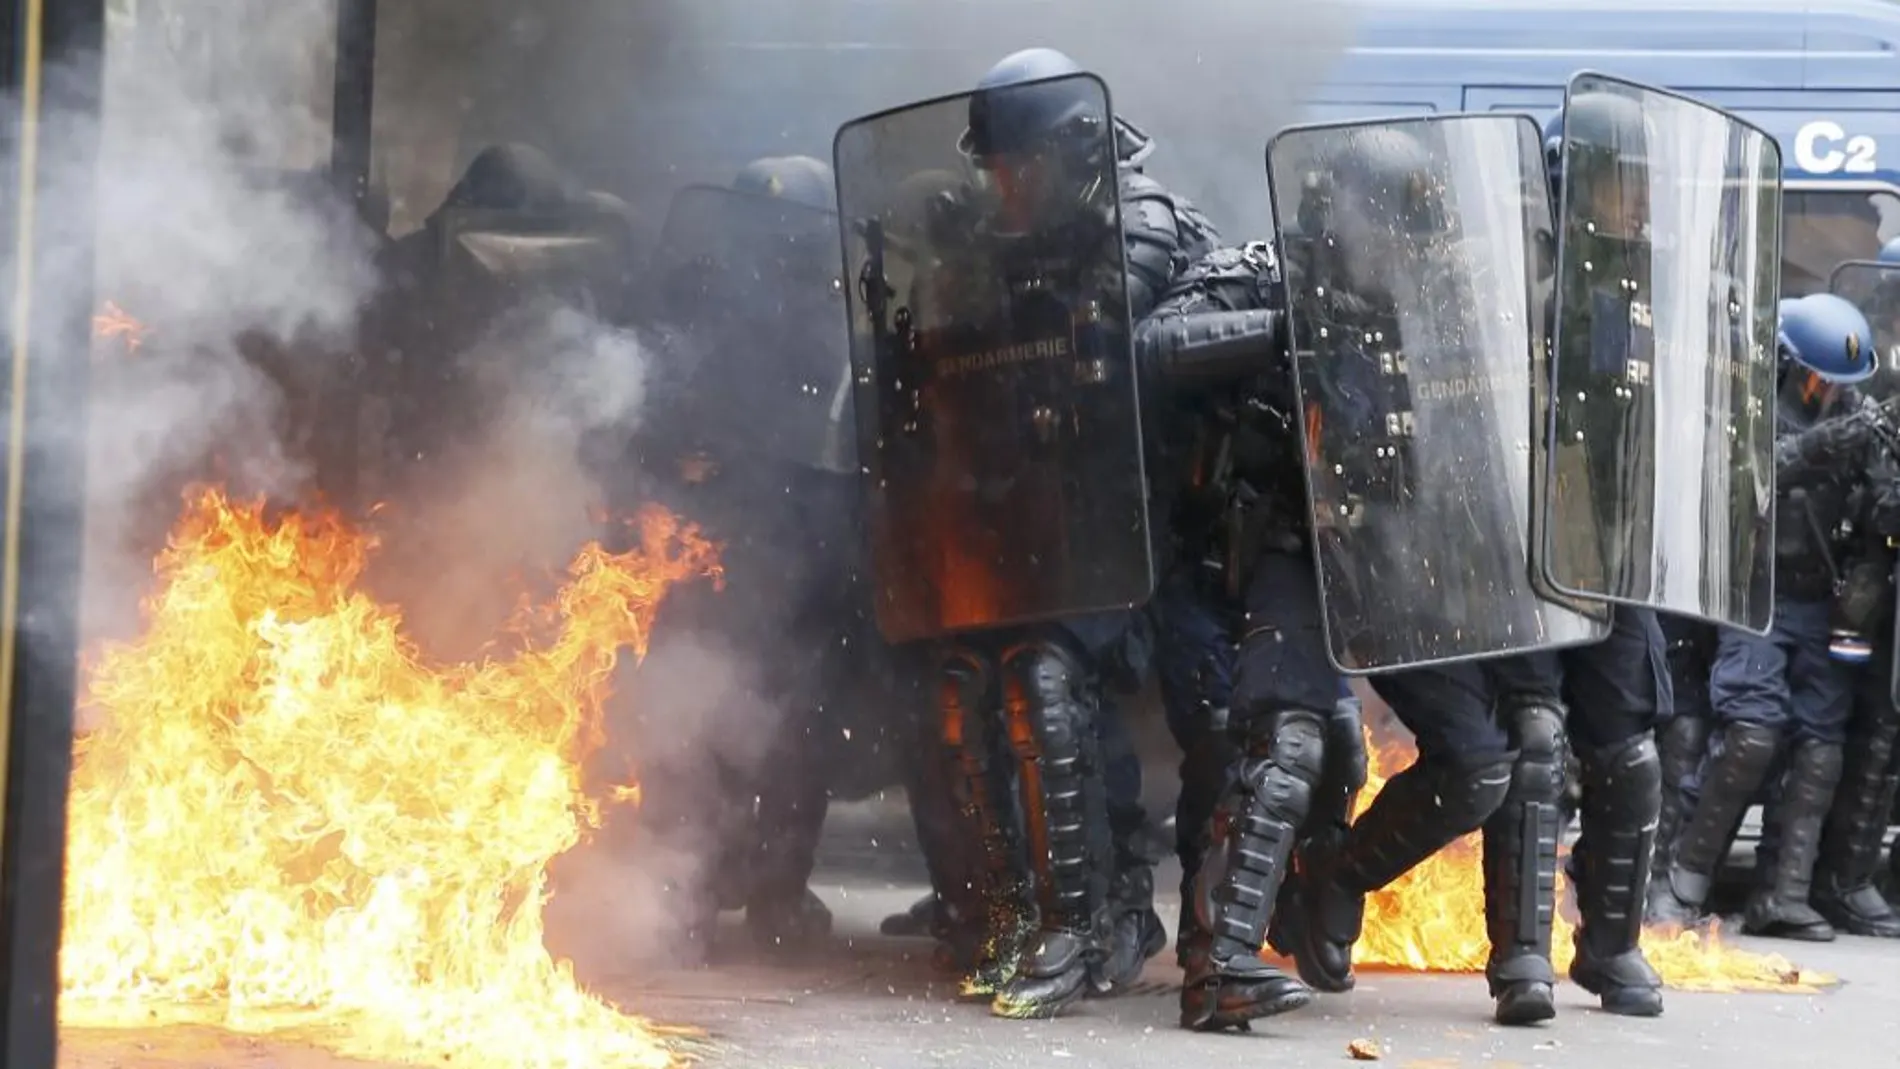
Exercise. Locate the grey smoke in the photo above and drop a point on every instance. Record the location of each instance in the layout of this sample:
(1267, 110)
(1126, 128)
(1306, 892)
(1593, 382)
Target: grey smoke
(644, 97)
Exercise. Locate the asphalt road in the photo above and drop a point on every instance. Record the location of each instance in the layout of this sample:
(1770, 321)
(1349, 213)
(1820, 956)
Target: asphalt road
(873, 1002)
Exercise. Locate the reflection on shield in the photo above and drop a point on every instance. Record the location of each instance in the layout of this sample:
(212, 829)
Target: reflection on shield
(751, 285)
(997, 402)
(1417, 257)
(1874, 288)
(1660, 480)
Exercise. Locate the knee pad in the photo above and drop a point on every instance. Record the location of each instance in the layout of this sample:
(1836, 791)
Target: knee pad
(1044, 690)
(1537, 733)
(1468, 796)
(1285, 756)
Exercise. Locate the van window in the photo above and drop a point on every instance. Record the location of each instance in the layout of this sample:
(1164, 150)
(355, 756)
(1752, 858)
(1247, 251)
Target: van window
(1822, 227)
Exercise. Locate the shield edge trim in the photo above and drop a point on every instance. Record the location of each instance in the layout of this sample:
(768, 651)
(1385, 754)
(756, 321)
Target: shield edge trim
(1326, 628)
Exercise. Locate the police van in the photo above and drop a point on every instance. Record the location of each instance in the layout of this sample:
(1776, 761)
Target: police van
(1822, 76)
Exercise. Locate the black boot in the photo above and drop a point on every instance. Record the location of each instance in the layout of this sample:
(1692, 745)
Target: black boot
(1611, 868)
(1520, 871)
(1844, 890)
(926, 917)
(1135, 934)
(1251, 838)
(1065, 809)
(1735, 768)
(1680, 745)
(1419, 812)
(793, 922)
(1781, 909)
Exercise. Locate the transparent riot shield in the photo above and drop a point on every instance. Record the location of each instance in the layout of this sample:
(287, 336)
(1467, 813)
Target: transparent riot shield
(1411, 258)
(1661, 475)
(751, 285)
(1874, 288)
(997, 401)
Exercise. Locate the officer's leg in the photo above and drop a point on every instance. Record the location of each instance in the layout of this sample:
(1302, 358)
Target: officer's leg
(1616, 690)
(1120, 648)
(1461, 776)
(793, 796)
(1844, 890)
(1748, 691)
(1520, 843)
(949, 841)
(992, 895)
(1821, 698)
(1681, 740)
(1284, 692)
(1194, 662)
(1050, 712)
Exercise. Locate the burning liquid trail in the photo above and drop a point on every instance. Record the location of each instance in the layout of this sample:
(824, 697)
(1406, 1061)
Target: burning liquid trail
(288, 818)
(1432, 920)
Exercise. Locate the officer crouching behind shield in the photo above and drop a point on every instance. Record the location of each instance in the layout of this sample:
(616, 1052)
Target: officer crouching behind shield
(1788, 695)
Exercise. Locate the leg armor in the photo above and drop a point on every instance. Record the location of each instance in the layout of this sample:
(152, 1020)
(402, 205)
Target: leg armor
(1049, 709)
(1680, 744)
(1250, 841)
(1208, 760)
(1844, 890)
(991, 905)
(1781, 908)
(1736, 767)
(1419, 812)
(1520, 869)
(1327, 826)
(1611, 861)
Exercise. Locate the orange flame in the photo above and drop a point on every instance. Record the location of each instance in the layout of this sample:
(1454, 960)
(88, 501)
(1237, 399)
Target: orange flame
(1432, 920)
(287, 817)
(113, 322)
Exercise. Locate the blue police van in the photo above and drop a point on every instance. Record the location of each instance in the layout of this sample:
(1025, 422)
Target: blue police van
(1822, 76)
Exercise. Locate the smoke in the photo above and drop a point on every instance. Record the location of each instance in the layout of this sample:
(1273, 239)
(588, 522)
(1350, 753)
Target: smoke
(644, 97)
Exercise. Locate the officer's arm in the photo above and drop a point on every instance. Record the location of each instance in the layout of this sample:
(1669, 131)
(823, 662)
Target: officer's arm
(1215, 327)
(1817, 453)
(1211, 347)
(1161, 234)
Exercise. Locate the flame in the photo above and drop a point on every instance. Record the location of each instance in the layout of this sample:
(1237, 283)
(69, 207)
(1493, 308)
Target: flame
(289, 819)
(113, 322)
(1432, 920)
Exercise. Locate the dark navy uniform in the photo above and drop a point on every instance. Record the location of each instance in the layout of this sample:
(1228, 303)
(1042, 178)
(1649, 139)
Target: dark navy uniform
(1782, 697)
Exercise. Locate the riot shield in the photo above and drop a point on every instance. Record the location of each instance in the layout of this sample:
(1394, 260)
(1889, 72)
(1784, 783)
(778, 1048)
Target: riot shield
(1660, 477)
(1411, 258)
(751, 285)
(1874, 288)
(997, 401)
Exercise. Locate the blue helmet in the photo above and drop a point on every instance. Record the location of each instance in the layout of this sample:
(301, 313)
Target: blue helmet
(1829, 337)
(799, 179)
(1890, 252)
(1008, 117)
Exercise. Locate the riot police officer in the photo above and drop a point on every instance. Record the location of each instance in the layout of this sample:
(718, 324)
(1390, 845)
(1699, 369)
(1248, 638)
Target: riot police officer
(1289, 759)
(1844, 889)
(783, 513)
(1092, 883)
(1783, 696)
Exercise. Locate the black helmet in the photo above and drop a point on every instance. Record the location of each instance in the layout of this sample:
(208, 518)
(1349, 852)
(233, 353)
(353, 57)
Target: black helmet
(1385, 169)
(1009, 117)
(1605, 141)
